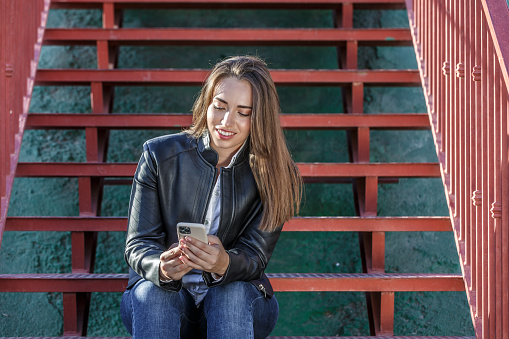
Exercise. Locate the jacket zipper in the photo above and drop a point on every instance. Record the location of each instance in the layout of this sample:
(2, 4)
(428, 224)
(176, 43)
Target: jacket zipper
(223, 234)
(211, 189)
(262, 288)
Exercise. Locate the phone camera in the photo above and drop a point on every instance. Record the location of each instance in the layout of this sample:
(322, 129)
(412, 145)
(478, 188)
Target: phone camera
(184, 230)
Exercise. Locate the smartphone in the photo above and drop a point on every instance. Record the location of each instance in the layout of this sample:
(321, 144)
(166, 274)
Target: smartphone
(197, 231)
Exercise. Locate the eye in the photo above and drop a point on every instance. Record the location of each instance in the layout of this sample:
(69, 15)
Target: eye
(244, 114)
(218, 108)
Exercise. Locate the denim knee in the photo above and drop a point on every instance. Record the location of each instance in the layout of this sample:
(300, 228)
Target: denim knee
(237, 294)
(239, 310)
(150, 312)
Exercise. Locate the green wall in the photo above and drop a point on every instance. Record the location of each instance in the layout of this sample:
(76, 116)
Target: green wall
(316, 314)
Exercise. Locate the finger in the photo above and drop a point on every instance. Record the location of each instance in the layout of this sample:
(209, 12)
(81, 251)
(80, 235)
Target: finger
(172, 252)
(174, 266)
(196, 255)
(174, 262)
(194, 262)
(215, 243)
(176, 270)
(196, 246)
(196, 242)
(212, 239)
(180, 274)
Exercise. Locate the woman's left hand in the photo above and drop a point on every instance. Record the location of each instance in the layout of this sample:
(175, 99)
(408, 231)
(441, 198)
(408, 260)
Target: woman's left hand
(210, 257)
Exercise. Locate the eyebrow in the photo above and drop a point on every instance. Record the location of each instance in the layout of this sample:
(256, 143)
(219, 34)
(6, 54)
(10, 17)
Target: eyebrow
(226, 102)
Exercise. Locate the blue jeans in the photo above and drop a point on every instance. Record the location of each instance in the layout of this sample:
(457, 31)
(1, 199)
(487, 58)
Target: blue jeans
(235, 310)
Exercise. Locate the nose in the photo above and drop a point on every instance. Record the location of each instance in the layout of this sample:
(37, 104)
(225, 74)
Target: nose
(227, 119)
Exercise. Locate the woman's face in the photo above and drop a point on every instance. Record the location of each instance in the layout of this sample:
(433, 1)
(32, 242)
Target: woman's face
(229, 117)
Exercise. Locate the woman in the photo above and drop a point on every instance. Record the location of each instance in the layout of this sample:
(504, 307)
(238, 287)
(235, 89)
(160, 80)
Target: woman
(232, 172)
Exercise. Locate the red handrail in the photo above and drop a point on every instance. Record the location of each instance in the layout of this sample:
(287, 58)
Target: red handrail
(463, 56)
(22, 24)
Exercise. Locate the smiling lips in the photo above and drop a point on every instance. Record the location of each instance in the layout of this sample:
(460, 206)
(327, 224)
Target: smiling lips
(224, 134)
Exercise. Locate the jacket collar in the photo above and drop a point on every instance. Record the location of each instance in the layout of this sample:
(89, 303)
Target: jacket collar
(211, 155)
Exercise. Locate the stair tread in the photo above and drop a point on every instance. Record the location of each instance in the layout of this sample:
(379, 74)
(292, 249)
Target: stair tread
(289, 121)
(377, 337)
(297, 224)
(279, 337)
(318, 171)
(236, 36)
(106, 276)
(282, 282)
(195, 77)
(238, 4)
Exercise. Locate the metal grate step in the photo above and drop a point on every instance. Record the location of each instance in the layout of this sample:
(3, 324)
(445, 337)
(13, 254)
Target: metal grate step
(323, 172)
(282, 282)
(288, 121)
(195, 77)
(237, 4)
(233, 36)
(299, 337)
(299, 224)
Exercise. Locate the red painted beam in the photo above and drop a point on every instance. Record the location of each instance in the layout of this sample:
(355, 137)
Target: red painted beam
(286, 337)
(195, 77)
(282, 282)
(89, 169)
(359, 170)
(289, 121)
(77, 337)
(233, 4)
(360, 282)
(322, 171)
(298, 224)
(342, 337)
(67, 224)
(378, 224)
(345, 121)
(114, 121)
(62, 282)
(235, 36)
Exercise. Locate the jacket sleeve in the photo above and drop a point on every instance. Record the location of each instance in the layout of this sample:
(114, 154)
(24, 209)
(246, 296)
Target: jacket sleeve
(145, 233)
(250, 252)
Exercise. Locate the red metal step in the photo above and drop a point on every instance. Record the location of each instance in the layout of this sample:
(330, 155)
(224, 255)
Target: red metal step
(297, 224)
(289, 121)
(237, 4)
(234, 36)
(299, 337)
(195, 77)
(282, 282)
(323, 171)
(378, 337)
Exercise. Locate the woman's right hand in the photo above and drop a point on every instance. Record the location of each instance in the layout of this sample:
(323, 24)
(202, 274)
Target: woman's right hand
(171, 266)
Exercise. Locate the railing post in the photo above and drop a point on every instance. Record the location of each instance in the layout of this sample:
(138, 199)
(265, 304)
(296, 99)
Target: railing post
(505, 212)
(468, 107)
(20, 43)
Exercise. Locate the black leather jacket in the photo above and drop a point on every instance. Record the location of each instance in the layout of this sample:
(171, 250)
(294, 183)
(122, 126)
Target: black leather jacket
(173, 183)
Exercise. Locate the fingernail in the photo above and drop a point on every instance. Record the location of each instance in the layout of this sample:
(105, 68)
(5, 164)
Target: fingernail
(188, 239)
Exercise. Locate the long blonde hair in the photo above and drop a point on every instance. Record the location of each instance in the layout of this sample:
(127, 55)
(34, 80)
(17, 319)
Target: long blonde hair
(277, 177)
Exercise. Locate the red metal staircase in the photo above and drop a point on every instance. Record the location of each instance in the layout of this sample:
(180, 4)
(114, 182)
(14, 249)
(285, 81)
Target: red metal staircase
(380, 287)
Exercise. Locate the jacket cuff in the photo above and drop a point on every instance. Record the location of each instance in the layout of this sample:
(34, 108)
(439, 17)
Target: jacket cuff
(151, 269)
(173, 286)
